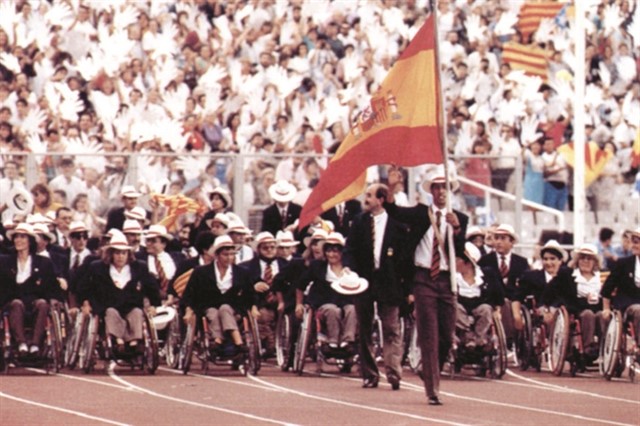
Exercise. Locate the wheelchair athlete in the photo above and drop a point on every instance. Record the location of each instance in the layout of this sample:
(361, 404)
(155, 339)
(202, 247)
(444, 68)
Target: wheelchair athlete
(28, 283)
(578, 289)
(219, 291)
(479, 293)
(119, 288)
(336, 311)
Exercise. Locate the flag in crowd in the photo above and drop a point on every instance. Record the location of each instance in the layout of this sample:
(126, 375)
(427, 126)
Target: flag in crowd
(401, 126)
(595, 159)
(635, 152)
(533, 12)
(531, 59)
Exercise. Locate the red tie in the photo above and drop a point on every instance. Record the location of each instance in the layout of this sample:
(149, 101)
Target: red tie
(268, 274)
(435, 250)
(504, 269)
(162, 276)
(283, 213)
(76, 262)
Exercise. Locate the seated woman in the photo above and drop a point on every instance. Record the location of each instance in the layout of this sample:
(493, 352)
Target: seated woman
(218, 291)
(479, 293)
(336, 311)
(579, 290)
(120, 287)
(28, 282)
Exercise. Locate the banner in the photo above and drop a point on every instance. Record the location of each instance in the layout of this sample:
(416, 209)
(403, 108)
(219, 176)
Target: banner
(594, 159)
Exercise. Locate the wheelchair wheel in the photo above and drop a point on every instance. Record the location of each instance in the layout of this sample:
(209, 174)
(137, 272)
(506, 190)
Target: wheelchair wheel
(252, 340)
(559, 341)
(172, 343)
(498, 361)
(53, 351)
(151, 356)
(524, 344)
(87, 346)
(74, 339)
(302, 343)
(610, 349)
(283, 341)
(377, 339)
(186, 349)
(414, 356)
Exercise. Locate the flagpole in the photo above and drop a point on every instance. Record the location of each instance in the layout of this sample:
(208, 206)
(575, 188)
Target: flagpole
(443, 138)
(579, 197)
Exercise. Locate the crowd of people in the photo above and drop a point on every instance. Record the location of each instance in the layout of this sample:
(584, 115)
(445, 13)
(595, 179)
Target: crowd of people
(280, 83)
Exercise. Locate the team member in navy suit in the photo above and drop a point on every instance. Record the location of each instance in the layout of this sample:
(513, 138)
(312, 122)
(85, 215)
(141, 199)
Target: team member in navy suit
(282, 212)
(625, 278)
(219, 291)
(116, 288)
(29, 281)
(510, 267)
(342, 215)
(375, 251)
(434, 299)
(262, 270)
(162, 264)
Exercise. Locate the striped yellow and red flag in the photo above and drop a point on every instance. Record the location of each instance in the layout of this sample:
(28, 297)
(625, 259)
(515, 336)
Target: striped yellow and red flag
(533, 12)
(532, 60)
(180, 284)
(401, 126)
(594, 159)
(176, 205)
(635, 151)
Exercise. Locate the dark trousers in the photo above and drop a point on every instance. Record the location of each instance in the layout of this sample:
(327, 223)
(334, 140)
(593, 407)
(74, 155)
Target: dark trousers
(392, 343)
(17, 310)
(436, 321)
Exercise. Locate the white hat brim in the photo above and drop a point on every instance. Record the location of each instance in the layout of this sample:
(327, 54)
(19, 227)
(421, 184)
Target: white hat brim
(164, 315)
(18, 208)
(349, 289)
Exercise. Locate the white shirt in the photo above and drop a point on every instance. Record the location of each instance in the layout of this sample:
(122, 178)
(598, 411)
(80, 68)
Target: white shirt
(380, 224)
(274, 267)
(637, 272)
(167, 264)
(555, 161)
(83, 255)
(507, 260)
(587, 287)
(422, 257)
(244, 253)
(120, 279)
(470, 290)
(224, 282)
(24, 272)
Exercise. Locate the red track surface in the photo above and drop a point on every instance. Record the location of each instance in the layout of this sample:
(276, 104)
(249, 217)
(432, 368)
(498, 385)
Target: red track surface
(274, 397)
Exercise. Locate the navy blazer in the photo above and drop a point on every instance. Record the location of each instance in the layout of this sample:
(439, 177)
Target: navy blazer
(352, 208)
(566, 289)
(254, 271)
(622, 278)
(42, 283)
(102, 293)
(391, 285)
(321, 292)
(272, 219)
(533, 283)
(517, 266)
(202, 290)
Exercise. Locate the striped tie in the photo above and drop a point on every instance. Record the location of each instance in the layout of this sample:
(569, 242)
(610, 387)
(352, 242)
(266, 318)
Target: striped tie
(435, 251)
(504, 269)
(162, 276)
(268, 274)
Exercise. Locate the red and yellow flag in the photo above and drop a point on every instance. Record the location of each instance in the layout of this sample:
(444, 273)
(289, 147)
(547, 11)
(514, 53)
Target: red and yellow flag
(176, 205)
(635, 151)
(594, 159)
(531, 59)
(401, 126)
(533, 12)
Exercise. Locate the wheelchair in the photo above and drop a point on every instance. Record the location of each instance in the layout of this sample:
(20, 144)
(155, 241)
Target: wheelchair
(532, 341)
(565, 344)
(50, 355)
(492, 358)
(286, 330)
(618, 349)
(197, 341)
(167, 325)
(95, 343)
(413, 353)
(310, 343)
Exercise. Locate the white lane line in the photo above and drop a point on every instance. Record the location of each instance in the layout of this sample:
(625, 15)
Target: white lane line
(354, 405)
(416, 388)
(115, 377)
(220, 379)
(62, 410)
(558, 388)
(84, 379)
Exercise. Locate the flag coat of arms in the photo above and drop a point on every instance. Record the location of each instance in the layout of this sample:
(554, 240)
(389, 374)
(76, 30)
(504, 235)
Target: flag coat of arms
(401, 126)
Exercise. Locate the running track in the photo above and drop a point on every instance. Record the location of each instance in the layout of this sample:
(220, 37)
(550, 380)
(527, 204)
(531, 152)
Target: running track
(119, 396)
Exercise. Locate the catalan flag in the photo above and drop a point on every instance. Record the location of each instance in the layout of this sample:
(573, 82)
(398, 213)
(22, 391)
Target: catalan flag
(532, 60)
(180, 283)
(533, 12)
(401, 126)
(594, 158)
(176, 205)
(635, 151)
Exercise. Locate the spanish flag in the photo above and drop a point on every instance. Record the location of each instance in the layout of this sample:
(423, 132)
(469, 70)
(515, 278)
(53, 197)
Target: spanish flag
(532, 60)
(594, 158)
(533, 12)
(401, 126)
(635, 151)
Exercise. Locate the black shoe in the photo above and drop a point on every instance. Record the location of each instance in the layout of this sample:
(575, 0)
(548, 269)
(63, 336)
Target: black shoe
(241, 349)
(433, 400)
(371, 382)
(394, 381)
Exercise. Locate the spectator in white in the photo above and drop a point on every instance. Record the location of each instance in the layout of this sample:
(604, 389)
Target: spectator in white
(68, 182)
(482, 52)
(509, 151)
(92, 179)
(556, 176)
(10, 182)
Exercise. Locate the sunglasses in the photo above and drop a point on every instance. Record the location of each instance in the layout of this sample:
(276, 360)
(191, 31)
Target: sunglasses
(268, 247)
(79, 236)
